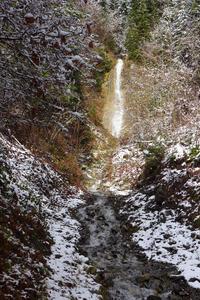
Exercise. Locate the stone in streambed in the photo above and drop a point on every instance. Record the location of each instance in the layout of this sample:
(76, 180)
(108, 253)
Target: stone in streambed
(143, 278)
(101, 218)
(92, 270)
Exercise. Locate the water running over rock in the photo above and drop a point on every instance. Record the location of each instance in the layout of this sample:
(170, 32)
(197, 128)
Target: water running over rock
(117, 263)
(117, 119)
(114, 108)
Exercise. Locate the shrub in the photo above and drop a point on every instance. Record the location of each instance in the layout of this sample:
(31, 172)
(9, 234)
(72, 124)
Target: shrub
(153, 161)
(103, 67)
(142, 16)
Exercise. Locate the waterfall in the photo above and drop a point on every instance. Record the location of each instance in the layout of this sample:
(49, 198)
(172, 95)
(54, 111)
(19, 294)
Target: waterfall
(118, 101)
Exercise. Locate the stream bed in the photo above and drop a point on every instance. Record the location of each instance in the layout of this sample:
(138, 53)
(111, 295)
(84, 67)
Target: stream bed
(119, 265)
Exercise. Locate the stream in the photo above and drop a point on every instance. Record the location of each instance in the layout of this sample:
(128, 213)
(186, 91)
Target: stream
(118, 264)
(114, 107)
(124, 273)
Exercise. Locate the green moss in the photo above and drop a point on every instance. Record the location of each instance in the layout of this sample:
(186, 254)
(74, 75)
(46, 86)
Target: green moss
(195, 7)
(104, 293)
(195, 196)
(132, 228)
(92, 270)
(172, 159)
(103, 67)
(110, 44)
(194, 152)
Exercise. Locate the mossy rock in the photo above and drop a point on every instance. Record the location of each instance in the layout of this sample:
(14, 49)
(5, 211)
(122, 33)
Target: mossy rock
(104, 293)
(92, 270)
(194, 154)
(132, 228)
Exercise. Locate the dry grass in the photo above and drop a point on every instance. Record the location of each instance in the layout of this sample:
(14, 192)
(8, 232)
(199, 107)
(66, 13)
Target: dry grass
(60, 151)
(159, 99)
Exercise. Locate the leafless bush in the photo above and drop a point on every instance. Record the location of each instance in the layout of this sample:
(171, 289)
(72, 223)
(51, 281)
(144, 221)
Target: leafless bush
(44, 54)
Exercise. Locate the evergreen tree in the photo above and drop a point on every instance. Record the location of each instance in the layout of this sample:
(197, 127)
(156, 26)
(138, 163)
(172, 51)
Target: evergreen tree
(142, 16)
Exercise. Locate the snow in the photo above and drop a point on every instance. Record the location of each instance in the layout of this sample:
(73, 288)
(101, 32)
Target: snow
(52, 196)
(161, 237)
(164, 239)
(127, 163)
(69, 267)
(178, 151)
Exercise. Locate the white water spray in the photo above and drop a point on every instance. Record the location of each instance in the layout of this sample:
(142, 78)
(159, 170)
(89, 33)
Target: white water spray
(118, 103)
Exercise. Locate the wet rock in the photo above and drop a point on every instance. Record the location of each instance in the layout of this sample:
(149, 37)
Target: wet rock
(101, 218)
(186, 246)
(172, 242)
(91, 214)
(175, 297)
(171, 250)
(166, 235)
(114, 231)
(143, 278)
(120, 266)
(194, 279)
(152, 297)
(108, 282)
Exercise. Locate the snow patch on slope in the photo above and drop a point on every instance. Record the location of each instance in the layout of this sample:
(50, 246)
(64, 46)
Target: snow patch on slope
(164, 231)
(37, 185)
(164, 239)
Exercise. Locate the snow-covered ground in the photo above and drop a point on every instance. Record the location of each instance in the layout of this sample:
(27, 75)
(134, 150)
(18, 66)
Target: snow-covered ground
(70, 279)
(164, 233)
(127, 163)
(163, 238)
(36, 185)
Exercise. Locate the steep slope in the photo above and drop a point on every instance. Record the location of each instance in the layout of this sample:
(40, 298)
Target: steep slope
(50, 59)
(161, 131)
(59, 240)
(39, 233)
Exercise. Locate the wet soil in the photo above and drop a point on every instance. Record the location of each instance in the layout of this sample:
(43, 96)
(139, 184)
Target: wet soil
(119, 265)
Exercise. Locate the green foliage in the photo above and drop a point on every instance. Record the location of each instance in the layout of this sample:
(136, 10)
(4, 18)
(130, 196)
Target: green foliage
(153, 161)
(72, 94)
(195, 7)
(142, 16)
(103, 67)
(110, 44)
(194, 152)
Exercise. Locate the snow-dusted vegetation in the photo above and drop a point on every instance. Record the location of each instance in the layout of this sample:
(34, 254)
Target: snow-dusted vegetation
(100, 149)
(37, 219)
(165, 212)
(162, 121)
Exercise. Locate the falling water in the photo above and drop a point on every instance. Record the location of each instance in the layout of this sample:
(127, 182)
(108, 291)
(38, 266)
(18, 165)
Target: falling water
(117, 119)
